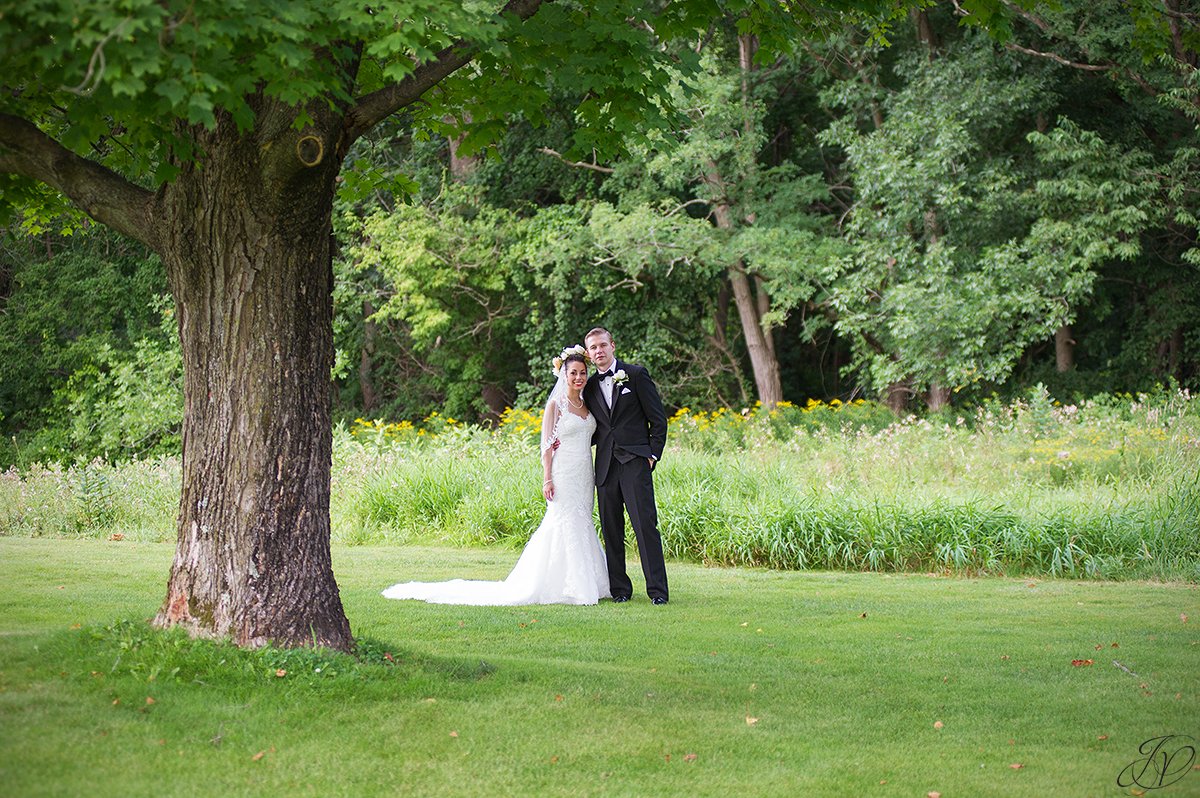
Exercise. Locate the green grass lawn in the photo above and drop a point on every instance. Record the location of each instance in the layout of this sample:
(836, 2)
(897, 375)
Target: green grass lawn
(751, 682)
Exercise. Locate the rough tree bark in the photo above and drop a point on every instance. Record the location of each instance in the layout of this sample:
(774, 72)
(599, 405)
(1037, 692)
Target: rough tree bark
(247, 252)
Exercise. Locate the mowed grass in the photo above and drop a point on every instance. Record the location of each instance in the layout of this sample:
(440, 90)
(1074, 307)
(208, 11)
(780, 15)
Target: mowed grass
(751, 682)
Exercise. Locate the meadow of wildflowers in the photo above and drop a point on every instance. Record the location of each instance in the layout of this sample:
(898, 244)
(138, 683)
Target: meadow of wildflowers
(1108, 488)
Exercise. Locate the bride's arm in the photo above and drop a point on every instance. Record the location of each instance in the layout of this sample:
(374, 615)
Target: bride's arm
(549, 422)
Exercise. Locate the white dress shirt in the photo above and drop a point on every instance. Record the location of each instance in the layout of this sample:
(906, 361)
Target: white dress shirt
(606, 386)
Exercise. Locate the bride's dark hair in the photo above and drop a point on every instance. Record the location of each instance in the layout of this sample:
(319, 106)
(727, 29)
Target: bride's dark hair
(574, 358)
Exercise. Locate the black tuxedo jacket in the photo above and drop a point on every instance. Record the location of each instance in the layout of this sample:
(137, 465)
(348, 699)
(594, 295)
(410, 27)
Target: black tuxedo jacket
(636, 426)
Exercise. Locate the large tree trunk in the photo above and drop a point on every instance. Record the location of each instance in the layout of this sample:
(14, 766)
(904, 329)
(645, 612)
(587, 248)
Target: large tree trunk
(248, 257)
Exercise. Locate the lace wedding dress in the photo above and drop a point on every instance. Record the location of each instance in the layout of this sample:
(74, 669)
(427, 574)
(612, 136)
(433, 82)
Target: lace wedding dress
(562, 563)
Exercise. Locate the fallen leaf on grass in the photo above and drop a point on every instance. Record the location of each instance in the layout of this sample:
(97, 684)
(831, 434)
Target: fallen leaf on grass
(666, 757)
(558, 698)
(1183, 617)
(1016, 766)
(554, 760)
(747, 623)
(453, 734)
(750, 721)
(937, 724)
(1081, 663)
(388, 656)
(864, 615)
(280, 672)
(933, 794)
(258, 756)
(116, 536)
(116, 702)
(689, 757)
(149, 700)
(1102, 737)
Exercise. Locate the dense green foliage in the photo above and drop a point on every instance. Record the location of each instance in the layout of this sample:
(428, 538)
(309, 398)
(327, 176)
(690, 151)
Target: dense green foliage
(89, 362)
(926, 215)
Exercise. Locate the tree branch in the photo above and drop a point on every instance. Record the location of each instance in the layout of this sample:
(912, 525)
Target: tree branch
(373, 108)
(595, 167)
(1059, 59)
(102, 194)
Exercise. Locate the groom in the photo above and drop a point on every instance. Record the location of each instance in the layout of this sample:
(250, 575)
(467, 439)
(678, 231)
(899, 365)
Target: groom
(631, 430)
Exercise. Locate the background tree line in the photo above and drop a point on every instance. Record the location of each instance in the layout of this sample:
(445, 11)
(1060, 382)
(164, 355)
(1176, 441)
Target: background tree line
(927, 223)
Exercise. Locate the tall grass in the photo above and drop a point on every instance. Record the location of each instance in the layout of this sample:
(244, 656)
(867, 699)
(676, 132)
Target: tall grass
(1108, 488)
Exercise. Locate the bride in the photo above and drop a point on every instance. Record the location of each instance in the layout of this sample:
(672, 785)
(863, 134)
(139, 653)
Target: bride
(562, 563)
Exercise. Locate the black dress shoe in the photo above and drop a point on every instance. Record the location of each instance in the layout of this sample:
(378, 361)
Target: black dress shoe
(620, 599)
(658, 600)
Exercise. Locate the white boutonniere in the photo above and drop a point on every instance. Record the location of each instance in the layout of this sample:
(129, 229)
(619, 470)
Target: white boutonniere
(619, 377)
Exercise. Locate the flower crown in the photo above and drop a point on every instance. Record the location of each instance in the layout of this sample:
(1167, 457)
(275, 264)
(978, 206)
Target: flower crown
(577, 349)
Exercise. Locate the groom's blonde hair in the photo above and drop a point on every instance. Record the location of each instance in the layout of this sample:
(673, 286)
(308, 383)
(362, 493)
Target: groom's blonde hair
(598, 331)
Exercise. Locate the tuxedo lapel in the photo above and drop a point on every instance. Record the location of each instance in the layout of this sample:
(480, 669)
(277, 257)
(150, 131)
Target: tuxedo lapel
(598, 394)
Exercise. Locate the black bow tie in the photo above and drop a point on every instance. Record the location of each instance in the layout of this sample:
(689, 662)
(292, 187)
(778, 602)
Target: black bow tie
(604, 374)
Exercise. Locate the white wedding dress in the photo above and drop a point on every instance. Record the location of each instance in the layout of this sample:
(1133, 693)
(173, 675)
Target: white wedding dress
(562, 563)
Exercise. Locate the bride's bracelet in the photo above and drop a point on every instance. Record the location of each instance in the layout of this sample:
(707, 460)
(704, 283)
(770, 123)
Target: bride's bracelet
(547, 482)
